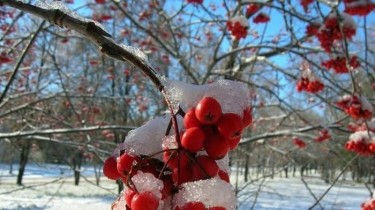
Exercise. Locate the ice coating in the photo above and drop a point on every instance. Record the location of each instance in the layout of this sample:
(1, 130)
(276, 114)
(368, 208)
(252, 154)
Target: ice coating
(62, 7)
(147, 182)
(224, 164)
(147, 139)
(135, 51)
(366, 136)
(211, 192)
(233, 96)
(242, 20)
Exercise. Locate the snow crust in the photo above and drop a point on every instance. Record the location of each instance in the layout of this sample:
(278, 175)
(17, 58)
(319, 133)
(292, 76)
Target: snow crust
(366, 136)
(211, 192)
(242, 20)
(233, 96)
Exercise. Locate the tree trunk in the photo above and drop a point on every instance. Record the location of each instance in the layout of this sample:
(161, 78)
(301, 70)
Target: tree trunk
(77, 161)
(25, 150)
(246, 168)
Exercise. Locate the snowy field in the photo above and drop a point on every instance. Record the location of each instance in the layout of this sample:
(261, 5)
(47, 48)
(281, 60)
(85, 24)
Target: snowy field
(52, 187)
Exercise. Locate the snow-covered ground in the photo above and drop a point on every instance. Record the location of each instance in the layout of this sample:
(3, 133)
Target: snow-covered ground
(52, 187)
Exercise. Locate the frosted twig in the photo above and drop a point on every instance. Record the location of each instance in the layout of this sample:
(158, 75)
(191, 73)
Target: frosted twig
(63, 130)
(19, 62)
(92, 31)
(334, 182)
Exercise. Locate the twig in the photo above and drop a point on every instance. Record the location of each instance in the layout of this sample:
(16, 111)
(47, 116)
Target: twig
(19, 62)
(334, 182)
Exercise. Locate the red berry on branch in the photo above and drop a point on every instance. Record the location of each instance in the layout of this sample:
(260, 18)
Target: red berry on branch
(192, 140)
(208, 111)
(145, 200)
(110, 168)
(230, 125)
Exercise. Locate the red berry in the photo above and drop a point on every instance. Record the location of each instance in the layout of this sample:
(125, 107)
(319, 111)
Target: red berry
(174, 159)
(247, 117)
(125, 163)
(230, 125)
(233, 143)
(193, 206)
(209, 166)
(223, 175)
(110, 168)
(208, 111)
(145, 200)
(129, 194)
(217, 208)
(182, 175)
(168, 186)
(216, 146)
(192, 139)
(190, 120)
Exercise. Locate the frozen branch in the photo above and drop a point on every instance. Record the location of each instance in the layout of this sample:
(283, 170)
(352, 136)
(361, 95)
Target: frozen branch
(94, 32)
(63, 130)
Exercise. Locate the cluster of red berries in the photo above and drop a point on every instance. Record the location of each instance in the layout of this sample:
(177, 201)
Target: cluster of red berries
(363, 143)
(299, 142)
(251, 9)
(261, 18)
(331, 30)
(4, 58)
(198, 206)
(368, 205)
(323, 136)
(208, 129)
(340, 65)
(312, 29)
(306, 3)
(208, 136)
(359, 7)
(355, 107)
(237, 28)
(313, 86)
(195, 1)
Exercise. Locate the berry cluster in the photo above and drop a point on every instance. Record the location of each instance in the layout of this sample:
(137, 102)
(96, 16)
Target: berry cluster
(207, 137)
(198, 206)
(306, 3)
(323, 136)
(368, 205)
(355, 106)
(195, 1)
(339, 64)
(312, 29)
(299, 142)
(251, 9)
(261, 18)
(334, 30)
(238, 27)
(359, 7)
(309, 82)
(361, 142)
(304, 84)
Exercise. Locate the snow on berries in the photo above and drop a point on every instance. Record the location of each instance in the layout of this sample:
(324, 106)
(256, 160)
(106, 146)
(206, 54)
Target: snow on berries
(203, 191)
(309, 82)
(340, 64)
(163, 169)
(299, 142)
(357, 107)
(361, 142)
(369, 204)
(336, 28)
(261, 18)
(359, 7)
(323, 136)
(238, 27)
(251, 9)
